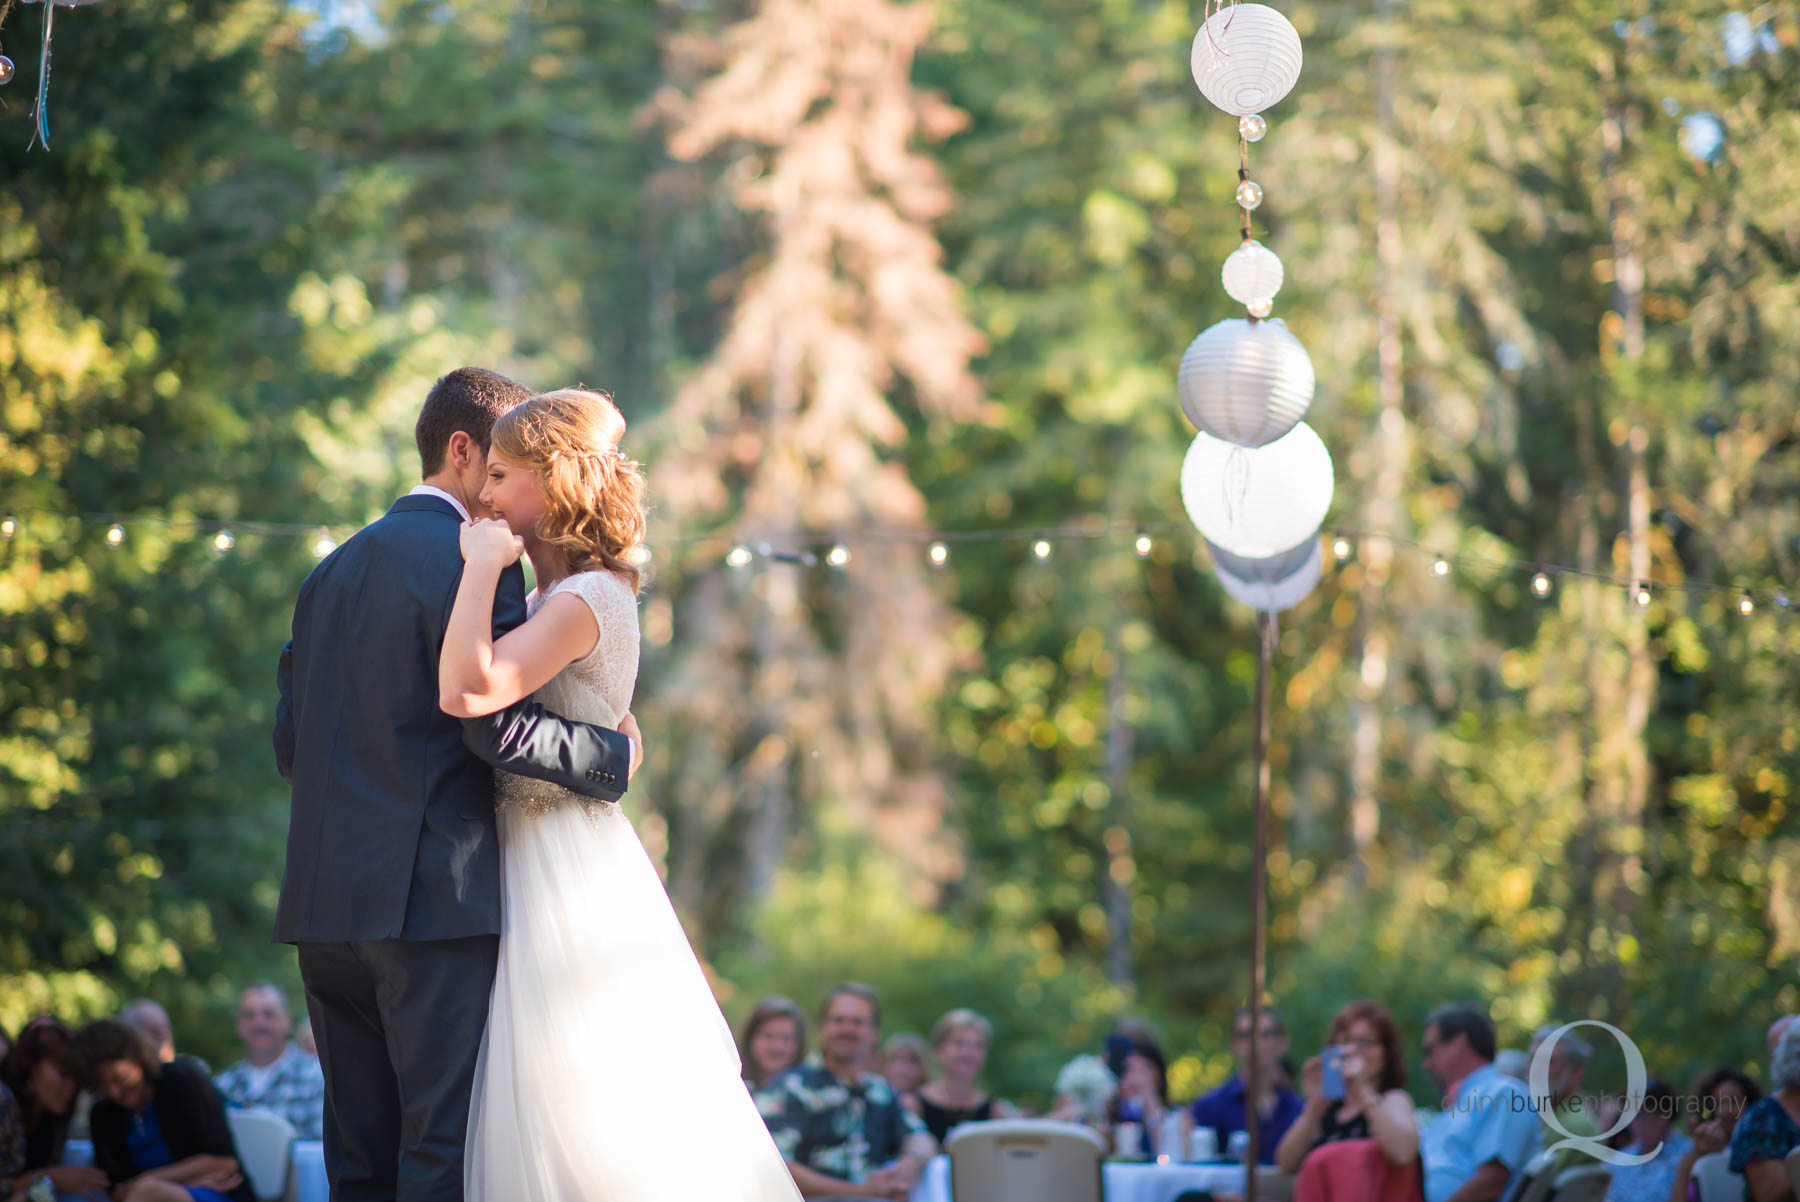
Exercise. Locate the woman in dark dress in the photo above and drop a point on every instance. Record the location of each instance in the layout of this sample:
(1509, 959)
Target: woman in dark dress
(37, 1096)
(159, 1130)
(1374, 1106)
(959, 1045)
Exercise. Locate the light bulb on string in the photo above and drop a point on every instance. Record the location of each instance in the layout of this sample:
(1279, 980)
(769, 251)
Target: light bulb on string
(1249, 194)
(1440, 566)
(1260, 309)
(323, 545)
(223, 541)
(939, 555)
(1144, 546)
(1252, 127)
(1041, 549)
(1340, 547)
(9, 526)
(1746, 605)
(1540, 584)
(1642, 596)
(115, 534)
(738, 557)
(838, 556)
(6, 70)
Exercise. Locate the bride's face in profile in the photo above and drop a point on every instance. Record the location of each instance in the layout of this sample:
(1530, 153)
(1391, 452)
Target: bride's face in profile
(513, 494)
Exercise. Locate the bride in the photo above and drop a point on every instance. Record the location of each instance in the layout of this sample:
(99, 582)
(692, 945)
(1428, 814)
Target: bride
(607, 1071)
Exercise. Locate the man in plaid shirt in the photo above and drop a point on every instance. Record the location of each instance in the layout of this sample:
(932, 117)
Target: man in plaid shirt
(841, 1130)
(276, 1075)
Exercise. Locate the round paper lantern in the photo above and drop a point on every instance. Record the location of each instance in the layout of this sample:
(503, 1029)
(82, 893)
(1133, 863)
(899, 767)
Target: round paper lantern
(1257, 501)
(1246, 58)
(1247, 382)
(1252, 273)
(1264, 591)
(1279, 566)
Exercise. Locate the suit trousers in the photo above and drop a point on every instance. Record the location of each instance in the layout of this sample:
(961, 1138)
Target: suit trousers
(399, 1026)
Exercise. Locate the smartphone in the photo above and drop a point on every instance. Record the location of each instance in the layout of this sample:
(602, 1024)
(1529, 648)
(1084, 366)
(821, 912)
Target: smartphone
(1331, 1071)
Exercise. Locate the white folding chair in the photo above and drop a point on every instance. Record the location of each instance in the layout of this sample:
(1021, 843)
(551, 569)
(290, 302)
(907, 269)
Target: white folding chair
(265, 1142)
(1583, 1183)
(1025, 1160)
(1793, 1168)
(1535, 1179)
(1716, 1181)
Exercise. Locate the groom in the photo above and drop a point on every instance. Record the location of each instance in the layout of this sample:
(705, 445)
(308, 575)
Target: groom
(392, 887)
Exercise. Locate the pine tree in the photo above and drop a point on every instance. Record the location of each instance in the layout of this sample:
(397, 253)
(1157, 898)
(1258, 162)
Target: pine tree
(802, 695)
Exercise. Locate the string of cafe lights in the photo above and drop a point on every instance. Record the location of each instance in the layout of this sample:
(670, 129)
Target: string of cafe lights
(836, 550)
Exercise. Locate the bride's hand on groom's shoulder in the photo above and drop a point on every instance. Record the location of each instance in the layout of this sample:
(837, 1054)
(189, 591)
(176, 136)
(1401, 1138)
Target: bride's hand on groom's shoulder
(489, 542)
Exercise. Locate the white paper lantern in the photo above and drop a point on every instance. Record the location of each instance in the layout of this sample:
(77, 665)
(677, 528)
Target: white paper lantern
(1247, 382)
(1246, 58)
(1252, 273)
(1261, 589)
(1261, 501)
(1279, 566)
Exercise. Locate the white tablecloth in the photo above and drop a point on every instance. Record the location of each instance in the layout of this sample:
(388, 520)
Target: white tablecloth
(306, 1184)
(1123, 1182)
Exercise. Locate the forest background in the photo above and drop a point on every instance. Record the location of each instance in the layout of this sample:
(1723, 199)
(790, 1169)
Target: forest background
(871, 273)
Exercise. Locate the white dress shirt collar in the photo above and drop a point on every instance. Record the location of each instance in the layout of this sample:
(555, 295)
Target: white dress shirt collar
(432, 490)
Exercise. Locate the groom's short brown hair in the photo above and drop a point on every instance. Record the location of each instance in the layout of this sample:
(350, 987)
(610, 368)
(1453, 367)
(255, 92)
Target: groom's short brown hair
(469, 399)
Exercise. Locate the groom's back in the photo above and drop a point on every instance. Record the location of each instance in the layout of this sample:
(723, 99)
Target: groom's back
(391, 829)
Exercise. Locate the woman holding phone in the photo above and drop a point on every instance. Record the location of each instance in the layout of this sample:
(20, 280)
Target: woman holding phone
(1354, 1090)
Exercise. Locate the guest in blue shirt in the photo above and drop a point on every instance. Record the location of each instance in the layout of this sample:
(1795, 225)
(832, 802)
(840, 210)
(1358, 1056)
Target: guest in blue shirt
(1652, 1130)
(1489, 1128)
(1277, 1105)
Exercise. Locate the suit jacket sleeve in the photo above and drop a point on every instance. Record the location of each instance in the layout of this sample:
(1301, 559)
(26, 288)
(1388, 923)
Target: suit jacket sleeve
(284, 713)
(526, 739)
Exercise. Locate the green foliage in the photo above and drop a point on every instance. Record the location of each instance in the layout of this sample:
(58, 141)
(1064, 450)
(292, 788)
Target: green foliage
(258, 239)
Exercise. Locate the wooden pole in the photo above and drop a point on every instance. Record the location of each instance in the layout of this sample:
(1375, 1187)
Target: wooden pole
(1259, 888)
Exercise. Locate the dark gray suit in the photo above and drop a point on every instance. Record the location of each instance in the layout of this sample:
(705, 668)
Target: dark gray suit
(392, 886)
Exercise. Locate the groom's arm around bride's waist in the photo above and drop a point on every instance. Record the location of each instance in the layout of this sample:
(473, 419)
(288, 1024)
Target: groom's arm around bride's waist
(525, 739)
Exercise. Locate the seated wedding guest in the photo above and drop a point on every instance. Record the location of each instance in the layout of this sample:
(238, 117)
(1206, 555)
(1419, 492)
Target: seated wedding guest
(842, 1131)
(773, 1041)
(1770, 1129)
(1143, 1094)
(37, 1098)
(1374, 1105)
(1719, 1099)
(903, 1066)
(1277, 1105)
(1487, 1131)
(1114, 1050)
(274, 1075)
(1569, 1057)
(153, 1021)
(160, 1133)
(1652, 1131)
(959, 1045)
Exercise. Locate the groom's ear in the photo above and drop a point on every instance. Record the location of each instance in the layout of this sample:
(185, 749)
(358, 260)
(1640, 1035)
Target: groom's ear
(462, 451)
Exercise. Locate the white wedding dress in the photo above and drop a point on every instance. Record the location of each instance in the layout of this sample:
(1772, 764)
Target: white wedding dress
(607, 1073)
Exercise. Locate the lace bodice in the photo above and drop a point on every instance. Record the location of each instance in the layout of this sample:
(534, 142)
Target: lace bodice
(596, 688)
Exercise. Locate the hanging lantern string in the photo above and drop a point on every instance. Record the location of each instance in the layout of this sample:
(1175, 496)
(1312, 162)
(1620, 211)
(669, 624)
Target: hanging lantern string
(792, 547)
(41, 110)
(1243, 178)
(1213, 9)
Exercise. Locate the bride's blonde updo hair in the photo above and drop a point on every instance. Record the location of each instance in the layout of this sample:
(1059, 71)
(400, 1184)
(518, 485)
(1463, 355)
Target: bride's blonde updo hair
(595, 511)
